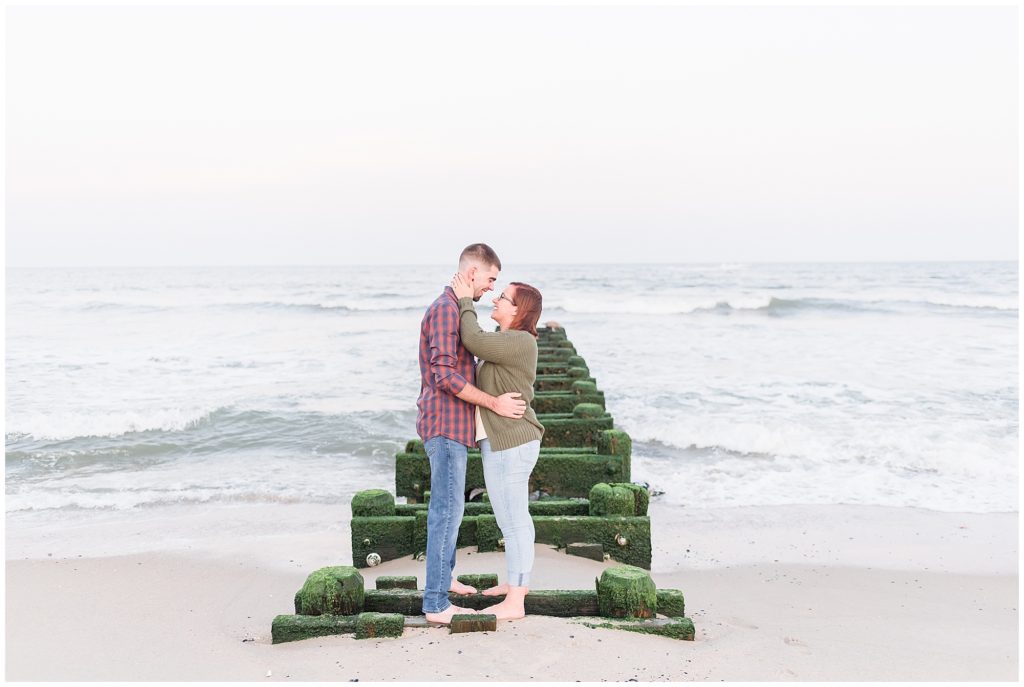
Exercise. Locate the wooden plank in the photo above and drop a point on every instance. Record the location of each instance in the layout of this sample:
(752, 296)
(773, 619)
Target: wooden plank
(541, 507)
(673, 628)
(371, 625)
(562, 603)
(481, 581)
(564, 473)
(396, 582)
(594, 552)
(473, 622)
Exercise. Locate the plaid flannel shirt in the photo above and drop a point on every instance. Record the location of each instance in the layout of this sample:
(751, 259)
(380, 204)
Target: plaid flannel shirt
(445, 368)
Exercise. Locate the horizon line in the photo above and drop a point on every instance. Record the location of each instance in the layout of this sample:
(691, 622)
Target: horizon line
(530, 264)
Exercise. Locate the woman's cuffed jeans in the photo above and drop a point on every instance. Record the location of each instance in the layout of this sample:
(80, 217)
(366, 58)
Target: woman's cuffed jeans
(507, 474)
(444, 515)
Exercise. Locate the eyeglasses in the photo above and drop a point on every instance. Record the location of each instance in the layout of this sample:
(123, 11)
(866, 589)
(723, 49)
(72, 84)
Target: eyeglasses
(506, 298)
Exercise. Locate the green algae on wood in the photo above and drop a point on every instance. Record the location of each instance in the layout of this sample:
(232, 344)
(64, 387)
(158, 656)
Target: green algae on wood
(292, 628)
(473, 622)
(390, 537)
(594, 552)
(372, 503)
(671, 603)
(488, 534)
(556, 355)
(565, 472)
(481, 581)
(607, 499)
(396, 582)
(626, 540)
(626, 592)
(614, 442)
(641, 497)
(559, 382)
(551, 506)
(562, 603)
(335, 590)
(573, 431)
(673, 628)
(588, 410)
(372, 624)
(550, 402)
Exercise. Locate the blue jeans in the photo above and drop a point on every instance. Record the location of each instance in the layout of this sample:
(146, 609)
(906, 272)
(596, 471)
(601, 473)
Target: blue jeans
(507, 475)
(444, 515)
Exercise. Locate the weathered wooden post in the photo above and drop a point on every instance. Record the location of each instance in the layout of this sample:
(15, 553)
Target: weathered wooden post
(608, 499)
(370, 625)
(336, 590)
(626, 592)
(372, 503)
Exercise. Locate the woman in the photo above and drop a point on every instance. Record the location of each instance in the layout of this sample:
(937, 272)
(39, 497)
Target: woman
(509, 447)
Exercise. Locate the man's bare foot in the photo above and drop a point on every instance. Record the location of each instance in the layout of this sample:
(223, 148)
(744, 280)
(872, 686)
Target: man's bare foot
(509, 609)
(460, 588)
(445, 616)
(500, 590)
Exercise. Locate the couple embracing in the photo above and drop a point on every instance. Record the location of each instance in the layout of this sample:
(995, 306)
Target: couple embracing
(463, 404)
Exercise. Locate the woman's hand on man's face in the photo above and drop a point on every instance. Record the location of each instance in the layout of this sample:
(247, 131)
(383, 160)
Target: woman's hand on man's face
(461, 287)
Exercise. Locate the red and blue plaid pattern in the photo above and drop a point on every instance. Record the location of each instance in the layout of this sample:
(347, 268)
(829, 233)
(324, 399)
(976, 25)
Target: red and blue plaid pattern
(445, 368)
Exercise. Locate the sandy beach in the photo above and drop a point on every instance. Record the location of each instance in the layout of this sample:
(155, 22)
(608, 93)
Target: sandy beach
(783, 593)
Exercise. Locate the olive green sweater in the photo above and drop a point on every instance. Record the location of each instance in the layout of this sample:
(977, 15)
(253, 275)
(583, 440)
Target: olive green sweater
(511, 358)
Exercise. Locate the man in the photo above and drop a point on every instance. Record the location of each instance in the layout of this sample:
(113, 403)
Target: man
(446, 423)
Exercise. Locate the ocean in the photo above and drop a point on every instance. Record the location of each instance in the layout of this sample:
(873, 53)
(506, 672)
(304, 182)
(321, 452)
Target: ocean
(895, 385)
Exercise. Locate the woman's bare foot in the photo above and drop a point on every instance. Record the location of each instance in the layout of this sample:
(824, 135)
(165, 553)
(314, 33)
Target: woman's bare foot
(460, 588)
(513, 606)
(500, 590)
(445, 616)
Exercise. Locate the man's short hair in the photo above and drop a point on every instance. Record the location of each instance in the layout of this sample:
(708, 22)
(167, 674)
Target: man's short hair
(480, 252)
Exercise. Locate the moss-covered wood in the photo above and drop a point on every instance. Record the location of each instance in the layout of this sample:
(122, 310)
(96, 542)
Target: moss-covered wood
(564, 401)
(625, 539)
(673, 628)
(571, 367)
(396, 582)
(671, 603)
(292, 628)
(610, 532)
(473, 622)
(594, 552)
(480, 581)
(550, 354)
(606, 499)
(415, 446)
(641, 497)
(563, 472)
(555, 382)
(581, 387)
(614, 442)
(562, 603)
(335, 590)
(626, 592)
(370, 625)
(373, 503)
(390, 537)
(473, 508)
(488, 534)
(588, 410)
(560, 430)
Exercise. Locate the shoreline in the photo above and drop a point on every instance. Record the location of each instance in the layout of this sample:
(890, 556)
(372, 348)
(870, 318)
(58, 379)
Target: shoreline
(773, 592)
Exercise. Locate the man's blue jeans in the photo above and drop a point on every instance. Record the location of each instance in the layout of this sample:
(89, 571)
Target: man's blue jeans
(444, 515)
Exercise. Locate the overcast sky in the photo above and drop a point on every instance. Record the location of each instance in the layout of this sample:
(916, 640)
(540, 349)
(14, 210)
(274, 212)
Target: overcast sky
(334, 135)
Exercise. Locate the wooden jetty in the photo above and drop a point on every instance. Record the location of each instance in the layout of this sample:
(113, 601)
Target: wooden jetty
(587, 505)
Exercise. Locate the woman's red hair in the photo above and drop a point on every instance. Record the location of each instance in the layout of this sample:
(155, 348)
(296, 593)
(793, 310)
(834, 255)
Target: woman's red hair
(528, 306)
